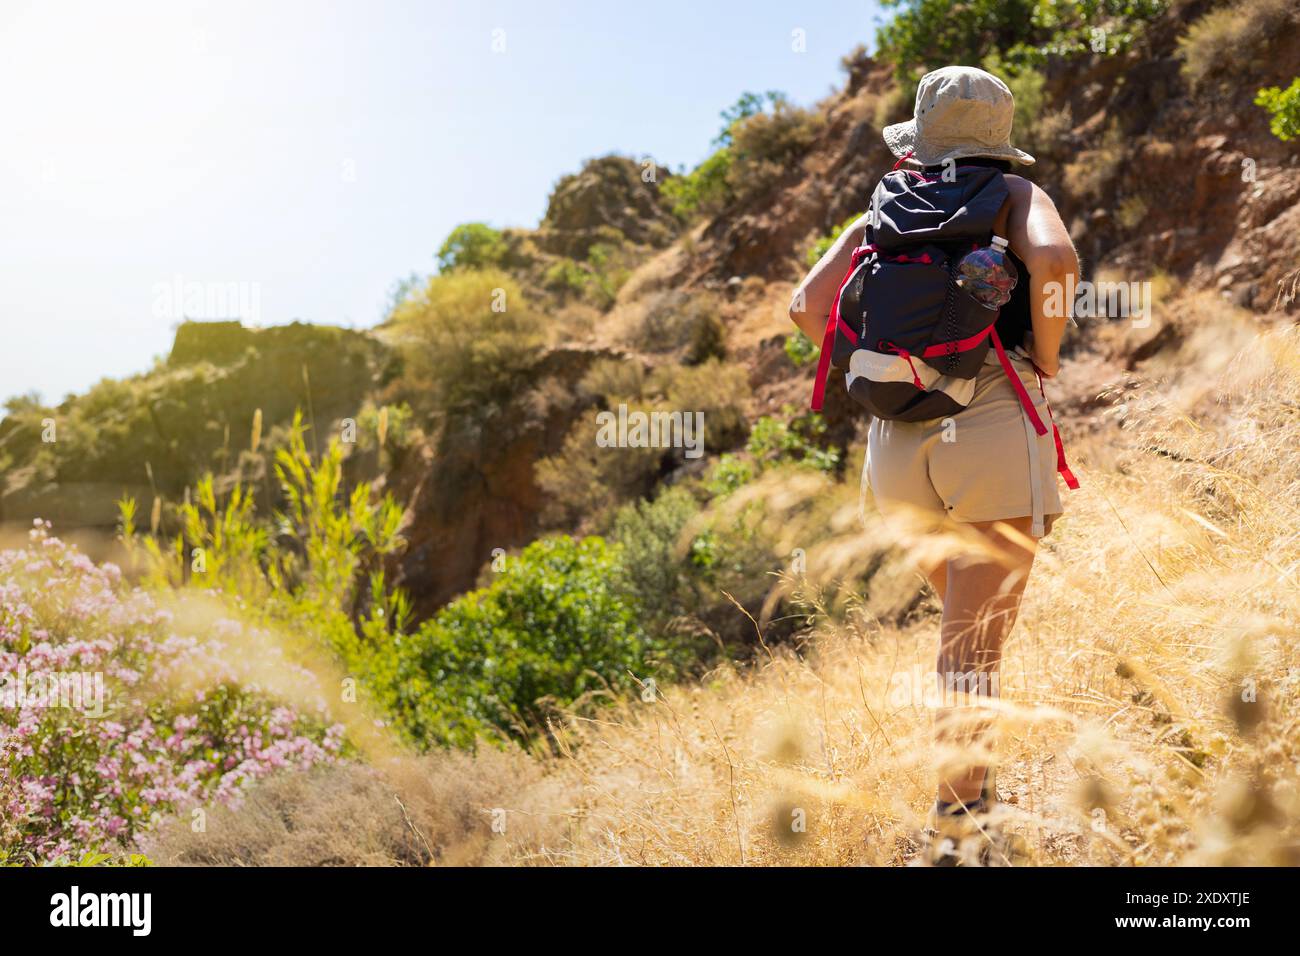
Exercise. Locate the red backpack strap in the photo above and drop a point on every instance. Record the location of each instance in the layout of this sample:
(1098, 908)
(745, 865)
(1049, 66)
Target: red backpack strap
(1071, 482)
(833, 321)
(1022, 393)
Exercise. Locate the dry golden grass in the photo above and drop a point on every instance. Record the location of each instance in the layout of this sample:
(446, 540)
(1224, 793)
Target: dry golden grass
(1166, 599)
(1148, 712)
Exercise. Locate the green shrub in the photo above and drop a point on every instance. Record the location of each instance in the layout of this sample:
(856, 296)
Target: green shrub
(566, 275)
(467, 340)
(720, 390)
(747, 104)
(330, 542)
(684, 561)
(1035, 127)
(1284, 105)
(584, 482)
(1132, 212)
(800, 349)
(608, 265)
(615, 380)
(731, 554)
(658, 568)
(704, 189)
(473, 245)
(595, 279)
(927, 33)
(708, 340)
(774, 441)
(1093, 173)
(767, 145)
(559, 623)
(675, 320)
(728, 474)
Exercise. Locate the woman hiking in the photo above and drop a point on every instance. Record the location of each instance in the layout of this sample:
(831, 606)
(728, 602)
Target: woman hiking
(943, 343)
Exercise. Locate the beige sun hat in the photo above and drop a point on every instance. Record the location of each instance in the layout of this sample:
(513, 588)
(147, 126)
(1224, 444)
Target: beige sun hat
(960, 111)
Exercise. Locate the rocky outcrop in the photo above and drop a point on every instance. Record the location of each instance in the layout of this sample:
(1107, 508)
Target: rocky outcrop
(611, 199)
(473, 491)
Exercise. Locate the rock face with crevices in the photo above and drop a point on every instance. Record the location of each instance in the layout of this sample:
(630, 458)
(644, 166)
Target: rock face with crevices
(471, 492)
(611, 199)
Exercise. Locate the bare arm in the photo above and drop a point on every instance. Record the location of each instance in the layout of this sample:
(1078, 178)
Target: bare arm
(1039, 237)
(812, 299)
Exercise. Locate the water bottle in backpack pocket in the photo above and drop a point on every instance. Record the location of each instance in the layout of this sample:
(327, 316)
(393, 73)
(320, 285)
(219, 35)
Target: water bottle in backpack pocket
(988, 275)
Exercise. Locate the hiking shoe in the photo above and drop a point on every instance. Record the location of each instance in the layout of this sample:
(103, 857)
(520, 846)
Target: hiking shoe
(955, 834)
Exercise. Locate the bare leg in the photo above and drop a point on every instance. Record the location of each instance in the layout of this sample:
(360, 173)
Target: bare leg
(981, 597)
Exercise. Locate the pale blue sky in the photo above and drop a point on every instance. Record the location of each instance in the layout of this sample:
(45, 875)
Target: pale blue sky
(315, 152)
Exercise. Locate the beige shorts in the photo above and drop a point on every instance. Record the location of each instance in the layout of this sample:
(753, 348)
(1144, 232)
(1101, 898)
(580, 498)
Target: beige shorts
(985, 463)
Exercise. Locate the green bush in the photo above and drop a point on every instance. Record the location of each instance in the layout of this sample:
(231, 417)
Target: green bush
(728, 474)
(775, 441)
(658, 569)
(320, 576)
(1284, 107)
(609, 266)
(684, 561)
(467, 339)
(675, 320)
(924, 34)
(708, 340)
(1094, 172)
(568, 276)
(720, 390)
(597, 278)
(558, 623)
(584, 482)
(473, 245)
(704, 189)
(768, 144)
(1034, 127)
(561, 621)
(800, 349)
